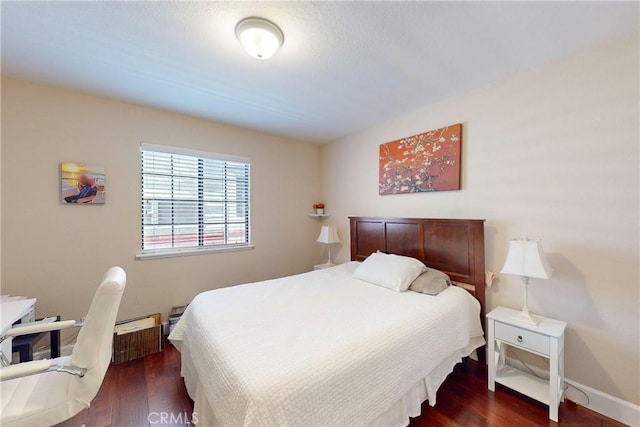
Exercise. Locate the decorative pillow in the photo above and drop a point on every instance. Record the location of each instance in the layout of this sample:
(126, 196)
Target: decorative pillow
(431, 282)
(393, 272)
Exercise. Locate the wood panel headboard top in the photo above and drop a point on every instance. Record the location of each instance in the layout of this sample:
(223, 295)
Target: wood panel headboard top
(455, 246)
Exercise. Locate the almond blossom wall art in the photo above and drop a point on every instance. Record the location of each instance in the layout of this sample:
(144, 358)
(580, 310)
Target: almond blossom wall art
(420, 163)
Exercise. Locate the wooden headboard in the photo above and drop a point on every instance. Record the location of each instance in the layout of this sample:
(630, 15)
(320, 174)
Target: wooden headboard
(455, 246)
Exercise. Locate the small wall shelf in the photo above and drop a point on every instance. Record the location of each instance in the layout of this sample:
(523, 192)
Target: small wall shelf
(319, 216)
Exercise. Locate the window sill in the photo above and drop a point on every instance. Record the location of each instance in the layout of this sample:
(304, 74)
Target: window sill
(190, 251)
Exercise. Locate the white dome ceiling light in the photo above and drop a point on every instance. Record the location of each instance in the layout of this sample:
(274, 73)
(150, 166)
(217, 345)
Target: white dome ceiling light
(260, 38)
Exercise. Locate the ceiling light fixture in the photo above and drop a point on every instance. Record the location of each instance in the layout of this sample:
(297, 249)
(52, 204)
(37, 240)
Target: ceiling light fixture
(260, 38)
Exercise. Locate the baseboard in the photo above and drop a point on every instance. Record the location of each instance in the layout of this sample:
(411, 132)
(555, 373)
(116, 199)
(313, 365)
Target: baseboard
(596, 400)
(605, 404)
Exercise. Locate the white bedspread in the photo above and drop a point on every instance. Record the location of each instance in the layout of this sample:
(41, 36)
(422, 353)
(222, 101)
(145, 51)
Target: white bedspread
(320, 348)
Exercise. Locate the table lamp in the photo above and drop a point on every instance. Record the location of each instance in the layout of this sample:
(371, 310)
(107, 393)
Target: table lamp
(328, 236)
(526, 259)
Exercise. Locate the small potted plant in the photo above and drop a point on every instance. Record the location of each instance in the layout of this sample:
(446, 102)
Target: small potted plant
(319, 207)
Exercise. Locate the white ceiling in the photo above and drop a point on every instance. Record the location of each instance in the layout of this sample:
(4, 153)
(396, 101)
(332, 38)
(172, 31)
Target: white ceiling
(344, 66)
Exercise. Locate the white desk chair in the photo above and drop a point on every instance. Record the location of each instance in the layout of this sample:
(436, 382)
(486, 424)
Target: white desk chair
(47, 392)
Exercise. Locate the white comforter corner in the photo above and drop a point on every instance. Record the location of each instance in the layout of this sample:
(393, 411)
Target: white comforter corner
(320, 348)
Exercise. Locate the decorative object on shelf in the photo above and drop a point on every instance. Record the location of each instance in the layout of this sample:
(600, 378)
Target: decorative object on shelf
(319, 207)
(328, 236)
(261, 38)
(420, 163)
(82, 183)
(526, 259)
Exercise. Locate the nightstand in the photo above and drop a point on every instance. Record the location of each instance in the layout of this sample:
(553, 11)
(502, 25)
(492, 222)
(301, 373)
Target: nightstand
(546, 340)
(323, 266)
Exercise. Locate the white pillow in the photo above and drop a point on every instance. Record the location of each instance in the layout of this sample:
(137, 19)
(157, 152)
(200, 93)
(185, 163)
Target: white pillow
(393, 272)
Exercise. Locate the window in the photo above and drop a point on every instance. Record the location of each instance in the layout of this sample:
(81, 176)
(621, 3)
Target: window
(193, 201)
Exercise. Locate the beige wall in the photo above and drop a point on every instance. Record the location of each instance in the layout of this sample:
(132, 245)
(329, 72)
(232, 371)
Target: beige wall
(552, 153)
(58, 253)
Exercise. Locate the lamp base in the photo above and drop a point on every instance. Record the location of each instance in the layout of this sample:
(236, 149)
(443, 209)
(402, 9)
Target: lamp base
(323, 266)
(527, 318)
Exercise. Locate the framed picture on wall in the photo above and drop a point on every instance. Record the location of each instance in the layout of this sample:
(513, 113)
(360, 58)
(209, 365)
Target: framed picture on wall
(82, 183)
(426, 162)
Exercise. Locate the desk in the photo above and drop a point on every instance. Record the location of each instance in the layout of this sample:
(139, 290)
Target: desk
(11, 312)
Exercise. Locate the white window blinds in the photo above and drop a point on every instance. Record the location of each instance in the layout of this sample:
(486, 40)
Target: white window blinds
(193, 200)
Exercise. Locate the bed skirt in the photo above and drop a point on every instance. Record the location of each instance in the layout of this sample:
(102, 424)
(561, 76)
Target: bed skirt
(408, 406)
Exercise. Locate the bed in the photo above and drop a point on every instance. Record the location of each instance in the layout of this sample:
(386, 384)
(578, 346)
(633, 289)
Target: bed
(323, 348)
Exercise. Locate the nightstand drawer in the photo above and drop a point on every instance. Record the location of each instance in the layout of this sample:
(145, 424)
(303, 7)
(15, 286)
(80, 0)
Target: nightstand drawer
(522, 338)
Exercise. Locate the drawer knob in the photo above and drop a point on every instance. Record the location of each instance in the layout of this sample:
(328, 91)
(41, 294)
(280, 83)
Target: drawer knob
(519, 338)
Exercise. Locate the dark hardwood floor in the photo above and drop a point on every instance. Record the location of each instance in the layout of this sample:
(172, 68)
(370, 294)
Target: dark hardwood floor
(132, 391)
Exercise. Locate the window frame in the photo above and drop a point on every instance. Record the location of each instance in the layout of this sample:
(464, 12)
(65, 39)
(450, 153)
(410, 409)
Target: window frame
(201, 248)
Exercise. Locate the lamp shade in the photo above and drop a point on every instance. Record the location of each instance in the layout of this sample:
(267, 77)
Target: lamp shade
(526, 258)
(328, 235)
